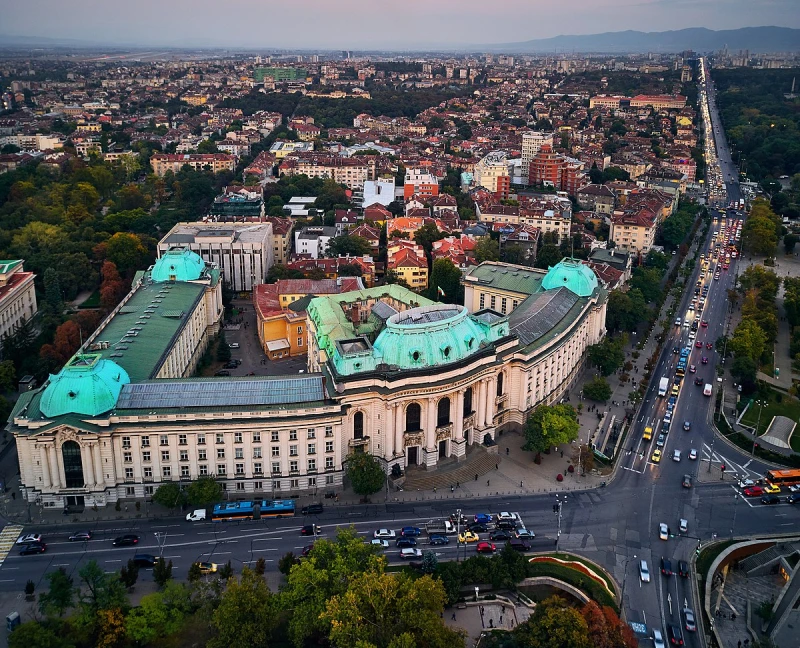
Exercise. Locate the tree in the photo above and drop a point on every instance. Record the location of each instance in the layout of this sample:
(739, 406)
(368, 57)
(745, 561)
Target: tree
(111, 627)
(246, 616)
(162, 572)
(607, 355)
(657, 260)
(375, 610)
(207, 146)
(426, 235)
(548, 256)
(156, 616)
(550, 425)
(447, 277)
(112, 290)
(203, 491)
(625, 310)
(8, 376)
(350, 270)
(744, 370)
(606, 629)
(287, 561)
(648, 281)
(429, 562)
(748, 340)
(126, 251)
(762, 280)
(354, 246)
(194, 573)
(52, 292)
(35, 634)
(789, 242)
(226, 571)
(60, 595)
(487, 249)
(553, 624)
(129, 574)
(100, 592)
(513, 253)
(169, 494)
(365, 473)
(261, 566)
(597, 389)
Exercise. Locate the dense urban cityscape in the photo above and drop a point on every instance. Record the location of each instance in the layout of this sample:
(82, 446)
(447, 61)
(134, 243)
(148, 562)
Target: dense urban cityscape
(379, 349)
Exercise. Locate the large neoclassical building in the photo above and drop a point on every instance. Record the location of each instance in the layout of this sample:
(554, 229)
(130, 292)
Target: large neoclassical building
(389, 373)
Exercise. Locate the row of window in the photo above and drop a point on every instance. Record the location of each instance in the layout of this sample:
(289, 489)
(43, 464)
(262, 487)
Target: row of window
(238, 437)
(493, 303)
(202, 455)
(222, 469)
(277, 485)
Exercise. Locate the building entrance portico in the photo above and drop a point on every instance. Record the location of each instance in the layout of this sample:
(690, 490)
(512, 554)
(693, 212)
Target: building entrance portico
(412, 458)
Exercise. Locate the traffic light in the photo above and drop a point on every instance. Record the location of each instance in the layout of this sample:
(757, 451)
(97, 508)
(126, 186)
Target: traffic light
(722, 467)
(697, 551)
(555, 508)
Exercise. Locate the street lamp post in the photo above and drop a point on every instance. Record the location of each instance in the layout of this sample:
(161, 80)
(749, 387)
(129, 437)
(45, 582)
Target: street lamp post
(161, 538)
(736, 498)
(458, 534)
(557, 510)
(624, 582)
(760, 404)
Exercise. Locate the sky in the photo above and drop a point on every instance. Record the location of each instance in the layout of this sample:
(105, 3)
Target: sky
(369, 24)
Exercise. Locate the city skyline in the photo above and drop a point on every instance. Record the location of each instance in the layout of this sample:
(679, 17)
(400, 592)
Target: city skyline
(357, 24)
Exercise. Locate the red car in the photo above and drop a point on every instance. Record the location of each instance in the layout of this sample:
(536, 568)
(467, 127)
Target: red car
(709, 345)
(485, 547)
(704, 324)
(698, 344)
(753, 491)
(704, 360)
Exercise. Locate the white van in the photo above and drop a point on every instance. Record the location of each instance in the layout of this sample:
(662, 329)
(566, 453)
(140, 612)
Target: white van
(234, 345)
(707, 390)
(196, 516)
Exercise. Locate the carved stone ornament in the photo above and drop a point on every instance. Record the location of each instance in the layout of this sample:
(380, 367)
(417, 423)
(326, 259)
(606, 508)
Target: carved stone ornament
(412, 440)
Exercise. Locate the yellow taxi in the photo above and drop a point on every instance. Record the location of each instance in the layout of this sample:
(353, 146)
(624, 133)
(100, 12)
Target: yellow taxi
(468, 536)
(656, 457)
(772, 489)
(207, 567)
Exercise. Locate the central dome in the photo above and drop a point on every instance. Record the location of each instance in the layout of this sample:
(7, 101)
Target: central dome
(87, 385)
(429, 336)
(178, 265)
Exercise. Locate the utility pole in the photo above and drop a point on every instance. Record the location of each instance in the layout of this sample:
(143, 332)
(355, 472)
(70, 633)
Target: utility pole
(760, 404)
(557, 510)
(458, 534)
(161, 538)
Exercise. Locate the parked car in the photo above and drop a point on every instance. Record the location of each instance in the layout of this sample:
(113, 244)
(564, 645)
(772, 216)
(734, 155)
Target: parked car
(127, 540)
(656, 458)
(81, 536)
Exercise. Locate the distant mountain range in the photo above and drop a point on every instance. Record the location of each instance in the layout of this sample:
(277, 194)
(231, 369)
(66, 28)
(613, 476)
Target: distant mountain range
(699, 39)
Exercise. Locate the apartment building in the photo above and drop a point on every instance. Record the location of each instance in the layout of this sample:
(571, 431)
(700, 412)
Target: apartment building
(17, 296)
(491, 172)
(215, 162)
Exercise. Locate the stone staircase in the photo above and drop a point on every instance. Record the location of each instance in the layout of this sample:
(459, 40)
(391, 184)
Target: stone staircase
(478, 462)
(767, 557)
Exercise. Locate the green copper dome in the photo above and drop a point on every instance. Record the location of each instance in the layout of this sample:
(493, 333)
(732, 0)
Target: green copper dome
(87, 385)
(571, 274)
(178, 265)
(431, 336)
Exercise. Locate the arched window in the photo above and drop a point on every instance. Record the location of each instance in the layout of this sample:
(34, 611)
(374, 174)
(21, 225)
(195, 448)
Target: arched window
(468, 401)
(443, 412)
(413, 417)
(358, 425)
(73, 466)
(500, 384)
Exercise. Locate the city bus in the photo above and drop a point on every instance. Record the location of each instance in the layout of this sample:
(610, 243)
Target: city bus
(227, 511)
(783, 477)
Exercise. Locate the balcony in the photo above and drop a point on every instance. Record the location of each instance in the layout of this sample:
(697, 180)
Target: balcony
(357, 443)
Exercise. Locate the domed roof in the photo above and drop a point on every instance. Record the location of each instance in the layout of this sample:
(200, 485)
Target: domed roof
(88, 385)
(571, 274)
(178, 265)
(431, 336)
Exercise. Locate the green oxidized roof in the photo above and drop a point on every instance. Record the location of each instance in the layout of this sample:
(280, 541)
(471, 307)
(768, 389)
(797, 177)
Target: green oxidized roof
(88, 384)
(431, 336)
(178, 265)
(571, 274)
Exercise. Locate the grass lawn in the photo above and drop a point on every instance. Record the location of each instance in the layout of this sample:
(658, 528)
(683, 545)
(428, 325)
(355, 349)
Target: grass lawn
(93, 301)
(789, 407)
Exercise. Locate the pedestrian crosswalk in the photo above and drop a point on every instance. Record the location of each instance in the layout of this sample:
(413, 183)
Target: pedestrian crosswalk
(8, 536)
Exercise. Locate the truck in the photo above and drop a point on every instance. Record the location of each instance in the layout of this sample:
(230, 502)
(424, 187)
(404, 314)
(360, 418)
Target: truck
(663, 385)
(445, 527)
(197, 515)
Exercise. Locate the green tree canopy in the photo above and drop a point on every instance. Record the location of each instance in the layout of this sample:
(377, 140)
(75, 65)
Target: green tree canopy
(348, 245)
(203, 491)
(365, 473)
(608, 354)
(597, 389)
(554, 624)
(60, 595)
(487, 249)
(426, 235)
(748, 340)
(169, 494)
(550, 425)
(447, 276)
(247, 614)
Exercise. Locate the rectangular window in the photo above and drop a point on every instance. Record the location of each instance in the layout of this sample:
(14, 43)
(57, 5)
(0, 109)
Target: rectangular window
(237, 437)
(312, 481)
(292, 435)
(299, 341)
(293, 466)
(163, 440)
(492, 302)
(182, 439)
(240, 469)
(166, 471)
(328, 463)
(184, 455)
(482, 304)
(201, 455)
(276, 485)
(503, 305)
(127, 457)
(126, 442)
(129, 473)
(184, 471)
(256, 437)
(328, 479)
(148, 490)
(276, 451)
(239, 486)
(275, 436)
(220, 453)
(312, 448)
(328, 431)
(145, 441)
(299, 330)
(130, 491)
(146, 456)
(220, 437)
(294, 483)
(221, 470)
(292, 450)
(329, 446)
(258, 485)
(312, 434)
(165, 455)
(312, 464)
(257, 468)
(148, 472)
(201, 439)
(238, 453)
(203, 469)
(257, 453)
(276, 467)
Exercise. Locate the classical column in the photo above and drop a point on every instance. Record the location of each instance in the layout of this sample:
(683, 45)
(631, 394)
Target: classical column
(388, 426)
(58, 467)
(430, 427)
(86, 464)
(45, 459)
(458, 418)
(491, 389)
(399, 448)
(98, 465)
(480, 414)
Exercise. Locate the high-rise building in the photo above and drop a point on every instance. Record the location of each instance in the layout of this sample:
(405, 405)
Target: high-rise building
(532, 142)
(491, 172)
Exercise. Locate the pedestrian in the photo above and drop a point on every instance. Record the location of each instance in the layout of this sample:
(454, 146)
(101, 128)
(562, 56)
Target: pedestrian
(562, 453)
(434, 489)
(497, 466)
(13, 495)
(487, 482)
(520, 483)
(476, 476)
(501, 619)
(458, 484)
(451, 488)
(454, 618)
(506, 452)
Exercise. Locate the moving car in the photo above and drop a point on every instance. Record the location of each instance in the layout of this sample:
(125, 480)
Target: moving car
(405, 554)
(687, 481)
(656, 458)
(676, 455)
(519, 545)
(692, 454)
(312, 509)
(33, 548)
(438, 539)
(383, 533)
(644, 572)
(524, 533)
(675, 634)
(310, 530)
(468, 536)
(753, 491)
(663, 531)
(307, 550)
(793, 498)
(688, 619)
(410, 531)
(662, 439)
(29, 537)
(683, 524)
(772, 489)
(477, 527)
(698, 381)
(658, 639)
(144, 561)
(506, 516)
(404, 541)
(127, 540)
(483, 518)
(81, 536)
(383, 544)
(683, 568)
(770, 499)
(666, 566)
(704, 360)
(485, 547)
(499, 536)
(692, 369)
(687, 425)
(704, 324)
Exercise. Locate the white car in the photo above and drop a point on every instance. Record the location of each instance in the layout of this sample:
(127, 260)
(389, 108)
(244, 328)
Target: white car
(676, 455)
(29, 537)
(746, 483)
(410, 552)
(383, 544)
(658, 639)
(644, 572)
(506, 516)
(383, 533)
(663, 531)
(692, 454)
